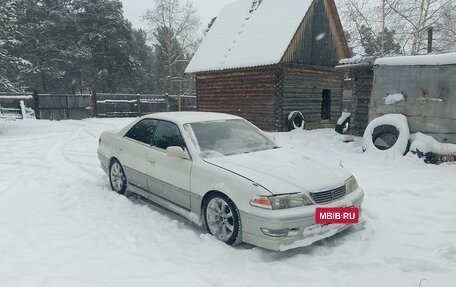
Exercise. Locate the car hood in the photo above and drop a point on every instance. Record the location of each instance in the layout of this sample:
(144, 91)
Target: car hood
(283, 170)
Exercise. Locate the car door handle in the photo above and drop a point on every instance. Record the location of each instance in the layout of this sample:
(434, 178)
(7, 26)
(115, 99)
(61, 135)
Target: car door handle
(151, 161)
(121, 149)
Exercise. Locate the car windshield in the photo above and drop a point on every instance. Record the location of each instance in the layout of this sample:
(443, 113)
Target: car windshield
(228, 137)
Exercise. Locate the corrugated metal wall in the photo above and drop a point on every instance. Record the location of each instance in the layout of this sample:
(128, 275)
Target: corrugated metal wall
(430, 97)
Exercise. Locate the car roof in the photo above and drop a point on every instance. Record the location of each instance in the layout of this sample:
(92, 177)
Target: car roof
(191, 117)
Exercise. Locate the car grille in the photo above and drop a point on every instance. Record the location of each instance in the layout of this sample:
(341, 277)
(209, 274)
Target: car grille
(327, 196)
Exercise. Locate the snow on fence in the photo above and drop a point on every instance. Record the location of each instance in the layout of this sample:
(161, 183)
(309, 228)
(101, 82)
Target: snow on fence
(125, 105)
(80, 106)
(12, 105)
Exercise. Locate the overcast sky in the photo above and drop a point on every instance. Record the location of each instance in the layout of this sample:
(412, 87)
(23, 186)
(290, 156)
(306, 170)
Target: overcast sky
(207, 9)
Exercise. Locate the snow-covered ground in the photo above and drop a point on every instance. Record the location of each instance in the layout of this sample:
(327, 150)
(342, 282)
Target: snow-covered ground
(60, 225)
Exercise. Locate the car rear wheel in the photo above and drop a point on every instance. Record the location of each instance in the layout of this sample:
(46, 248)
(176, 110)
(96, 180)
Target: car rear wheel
(117, 177)
(222, 219)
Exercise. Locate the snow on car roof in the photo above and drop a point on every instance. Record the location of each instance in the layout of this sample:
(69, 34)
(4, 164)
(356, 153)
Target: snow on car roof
(249, 33)
(191, 117)
(422, 60)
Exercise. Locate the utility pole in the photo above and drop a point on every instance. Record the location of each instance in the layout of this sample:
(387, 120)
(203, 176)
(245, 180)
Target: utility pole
(430, 36)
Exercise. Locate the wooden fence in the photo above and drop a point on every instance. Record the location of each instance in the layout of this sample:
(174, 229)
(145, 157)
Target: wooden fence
(63, 106)
(128, 105)
(80, 106)
(12, 106)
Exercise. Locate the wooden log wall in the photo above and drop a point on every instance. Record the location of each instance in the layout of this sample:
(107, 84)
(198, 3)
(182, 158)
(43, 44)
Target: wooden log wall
(302, 91)
(249, 93)
(362, 90)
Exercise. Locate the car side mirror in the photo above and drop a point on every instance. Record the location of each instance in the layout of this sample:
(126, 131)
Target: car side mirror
(176, 151)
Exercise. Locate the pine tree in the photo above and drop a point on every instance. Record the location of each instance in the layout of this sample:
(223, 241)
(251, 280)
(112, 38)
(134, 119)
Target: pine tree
(11, 66)
(144, 55)
(374, 45)
(174, 27)
(108, 36)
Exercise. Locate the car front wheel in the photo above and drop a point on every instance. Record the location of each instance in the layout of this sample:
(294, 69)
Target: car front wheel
(222, 219)
(117, 177)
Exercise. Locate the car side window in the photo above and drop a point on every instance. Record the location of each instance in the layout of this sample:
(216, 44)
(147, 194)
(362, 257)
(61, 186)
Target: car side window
(143, 131)
(167, 134)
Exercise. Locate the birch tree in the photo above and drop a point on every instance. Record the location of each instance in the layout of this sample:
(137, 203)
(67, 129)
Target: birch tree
(417, 16)
(408, 19)
(174, 28)
(445, 36)
(371, 25)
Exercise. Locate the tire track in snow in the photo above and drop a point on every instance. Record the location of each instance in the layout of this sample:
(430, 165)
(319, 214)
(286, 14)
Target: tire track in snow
(62, 160)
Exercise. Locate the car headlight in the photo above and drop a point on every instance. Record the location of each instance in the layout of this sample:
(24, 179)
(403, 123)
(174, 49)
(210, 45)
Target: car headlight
(351, 184)
(281, 201)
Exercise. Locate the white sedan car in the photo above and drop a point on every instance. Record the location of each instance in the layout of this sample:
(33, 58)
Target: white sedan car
(222, 172)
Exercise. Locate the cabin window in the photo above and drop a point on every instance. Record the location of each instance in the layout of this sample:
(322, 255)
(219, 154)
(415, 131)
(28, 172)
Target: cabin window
(326, 104)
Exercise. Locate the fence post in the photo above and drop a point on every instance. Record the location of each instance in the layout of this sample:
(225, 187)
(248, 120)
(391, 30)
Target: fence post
(167, 102)
(36, 100)
(94, 104)
(67, 107)
(22, 105)
(138, 103)
(179, 104)
(196, 103)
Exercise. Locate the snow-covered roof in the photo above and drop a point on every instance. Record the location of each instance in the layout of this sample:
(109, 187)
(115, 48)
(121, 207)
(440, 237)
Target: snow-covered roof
(422, 60)
(356, 61)
(247, 35)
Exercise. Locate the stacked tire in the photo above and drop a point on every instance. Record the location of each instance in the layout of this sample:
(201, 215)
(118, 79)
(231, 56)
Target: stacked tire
(295, 121)
(388, 134)
(343, 124)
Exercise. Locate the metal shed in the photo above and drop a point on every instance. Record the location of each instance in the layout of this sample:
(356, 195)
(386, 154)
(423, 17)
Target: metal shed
(425, 91)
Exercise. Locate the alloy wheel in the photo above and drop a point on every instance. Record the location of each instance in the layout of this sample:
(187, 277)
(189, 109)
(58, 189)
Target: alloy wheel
(219, 218)
(117, 177)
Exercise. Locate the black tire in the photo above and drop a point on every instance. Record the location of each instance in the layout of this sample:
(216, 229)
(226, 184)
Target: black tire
(385, 136)
(295, 121)
(117, 177)
(236, 236)
(344, 127)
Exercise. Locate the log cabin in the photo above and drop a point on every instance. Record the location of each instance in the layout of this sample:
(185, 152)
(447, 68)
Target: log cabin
(263, 59)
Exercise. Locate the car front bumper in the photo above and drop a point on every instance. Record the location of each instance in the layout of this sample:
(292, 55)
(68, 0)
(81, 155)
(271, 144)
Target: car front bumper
(303, 230)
